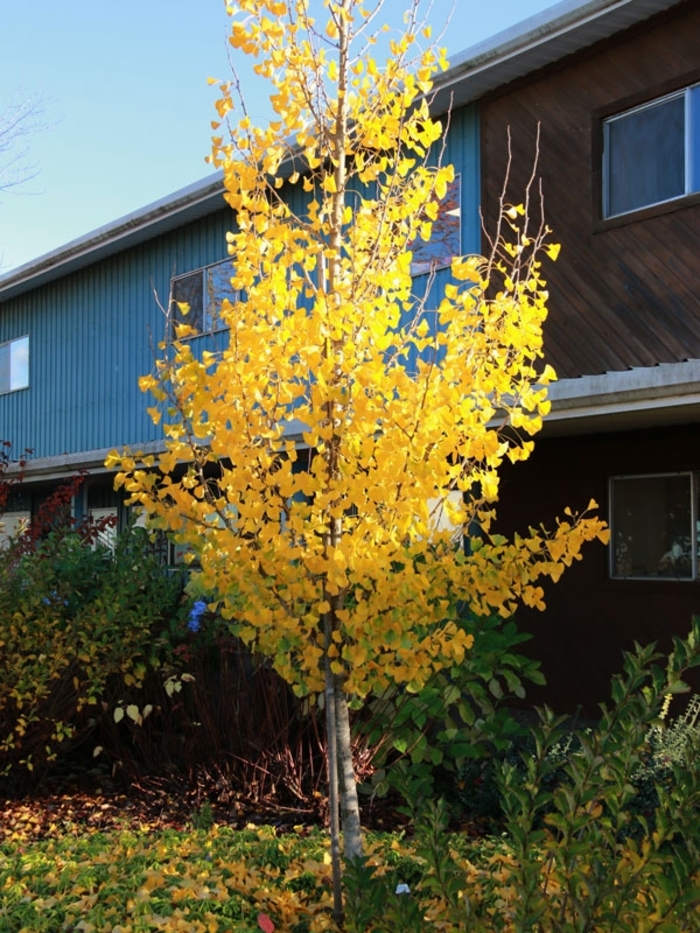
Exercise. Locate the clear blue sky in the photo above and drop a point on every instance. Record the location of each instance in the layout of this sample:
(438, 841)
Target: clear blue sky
(127, 105)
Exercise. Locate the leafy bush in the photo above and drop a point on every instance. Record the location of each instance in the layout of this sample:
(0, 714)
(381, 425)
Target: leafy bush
(425, 744)
(566, 863)
(478, 785)
(668, 748)
(479, 789)
(577, 855)
(224, 720)
(102, 651)
(78, 625)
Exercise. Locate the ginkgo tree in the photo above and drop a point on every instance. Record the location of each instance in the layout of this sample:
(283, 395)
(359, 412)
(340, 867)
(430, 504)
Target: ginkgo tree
(334, 467)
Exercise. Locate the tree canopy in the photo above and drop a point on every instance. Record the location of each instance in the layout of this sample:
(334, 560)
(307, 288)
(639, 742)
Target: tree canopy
(334, 466)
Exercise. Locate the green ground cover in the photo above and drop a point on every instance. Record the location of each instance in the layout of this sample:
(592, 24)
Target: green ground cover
(204, 881)
(222, 880)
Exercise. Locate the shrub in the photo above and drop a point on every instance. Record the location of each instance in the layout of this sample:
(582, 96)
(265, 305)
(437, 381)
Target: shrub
(226, 722)
(101, 651)
(438, 740)
(576, 855)
(76, 623)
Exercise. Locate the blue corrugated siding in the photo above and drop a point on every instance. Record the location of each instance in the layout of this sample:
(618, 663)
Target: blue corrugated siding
(91, 333)
(90, 339)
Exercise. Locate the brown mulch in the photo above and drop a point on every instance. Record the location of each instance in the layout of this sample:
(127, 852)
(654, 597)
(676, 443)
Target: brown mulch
(96, 803)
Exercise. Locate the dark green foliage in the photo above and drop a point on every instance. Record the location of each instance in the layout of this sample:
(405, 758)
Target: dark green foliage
(606, 865)
(387, 898)
(459, 717)
(479, 790)
(79, 625)
(88, 633)
(576, 855)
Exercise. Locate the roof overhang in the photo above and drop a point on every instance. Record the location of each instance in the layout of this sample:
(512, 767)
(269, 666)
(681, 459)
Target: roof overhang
(198, 200)
(655, 396)
(648, 397)
(537, 42)
(60, 468)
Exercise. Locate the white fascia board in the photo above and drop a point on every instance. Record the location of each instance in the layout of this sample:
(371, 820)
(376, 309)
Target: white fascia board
(548, 36)
(67, 465)
(656, 394)
(665, 386)
(201, 198)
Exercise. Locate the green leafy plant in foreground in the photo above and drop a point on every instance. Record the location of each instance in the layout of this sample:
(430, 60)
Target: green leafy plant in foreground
(427, 740)
(578, 854)
(586, 857)
(198, 881)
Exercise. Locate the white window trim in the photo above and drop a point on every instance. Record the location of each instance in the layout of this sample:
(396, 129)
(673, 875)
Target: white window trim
(691, 140)
(15, 342)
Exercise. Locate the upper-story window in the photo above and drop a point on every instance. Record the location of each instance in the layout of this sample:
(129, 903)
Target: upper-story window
(446, 235)
(651, 153)
(655, 526)
(203, 292)
(14, 365)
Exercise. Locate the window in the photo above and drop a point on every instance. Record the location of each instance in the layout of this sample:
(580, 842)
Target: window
(651, 153)
(17, 515)
(11, 524)
(203, 290)
(446, 239)
(107, 519)
(14, 365)
(654, 523)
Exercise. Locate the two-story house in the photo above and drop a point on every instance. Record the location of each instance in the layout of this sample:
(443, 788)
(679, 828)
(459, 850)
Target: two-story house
(611, 87)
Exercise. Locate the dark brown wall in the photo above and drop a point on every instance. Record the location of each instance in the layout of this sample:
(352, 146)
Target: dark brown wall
(622, 295)
(590, 619)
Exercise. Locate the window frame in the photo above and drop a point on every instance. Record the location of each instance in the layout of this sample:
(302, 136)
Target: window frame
(11, 523)
(426, 260)
(691, 130)
(694, 493)
(24, 368)
(210, 322)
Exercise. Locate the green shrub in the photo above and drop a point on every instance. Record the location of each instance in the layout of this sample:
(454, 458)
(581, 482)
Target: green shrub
(78, 626)
(666, 745)
(576, 855)
(423, 744)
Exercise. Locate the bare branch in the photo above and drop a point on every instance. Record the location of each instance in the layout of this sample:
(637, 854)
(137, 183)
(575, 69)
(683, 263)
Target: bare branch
(19, 120)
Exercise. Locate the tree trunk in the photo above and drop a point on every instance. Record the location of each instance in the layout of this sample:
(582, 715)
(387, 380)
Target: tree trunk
(349, 804)
(330, 698)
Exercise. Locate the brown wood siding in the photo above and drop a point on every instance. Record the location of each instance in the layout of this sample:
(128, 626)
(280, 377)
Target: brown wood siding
(621, 295)
(591, 619)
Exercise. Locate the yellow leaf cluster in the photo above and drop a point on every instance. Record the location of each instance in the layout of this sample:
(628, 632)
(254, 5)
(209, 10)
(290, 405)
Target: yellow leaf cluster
(407, 407)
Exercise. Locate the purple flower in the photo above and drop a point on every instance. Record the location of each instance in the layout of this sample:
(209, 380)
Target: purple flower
(194, 622)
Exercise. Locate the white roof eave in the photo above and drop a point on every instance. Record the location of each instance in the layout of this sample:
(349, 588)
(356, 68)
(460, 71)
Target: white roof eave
(668, 393)
(547, 37)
